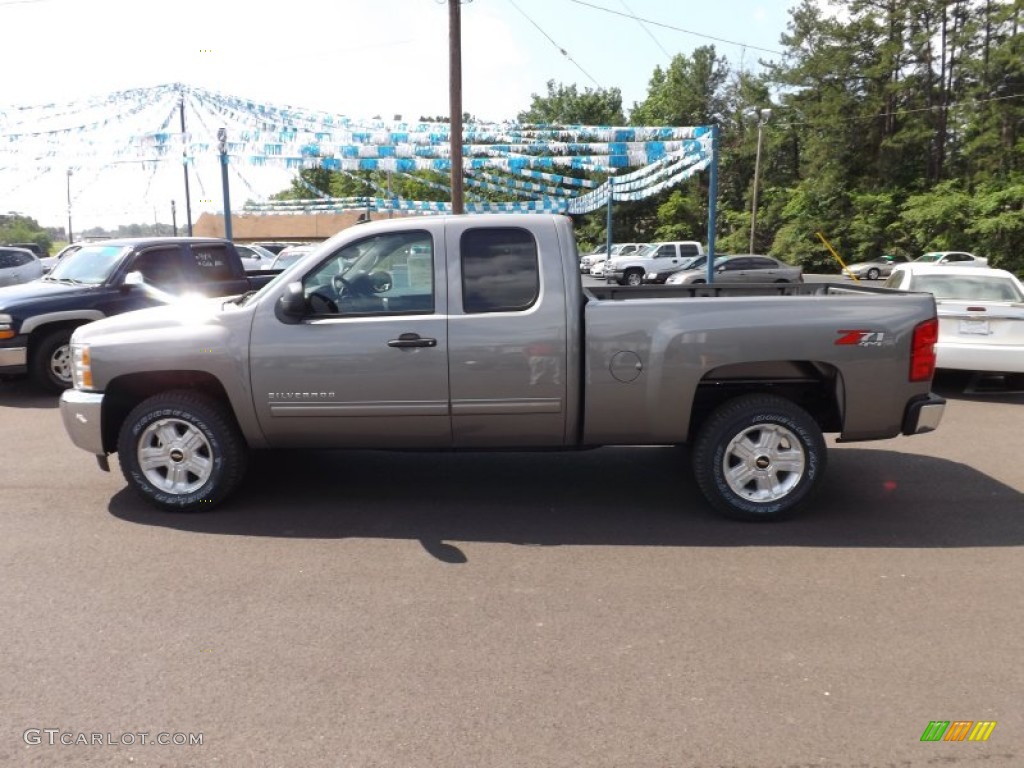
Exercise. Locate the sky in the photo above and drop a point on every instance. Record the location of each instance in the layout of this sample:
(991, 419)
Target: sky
(358, 58)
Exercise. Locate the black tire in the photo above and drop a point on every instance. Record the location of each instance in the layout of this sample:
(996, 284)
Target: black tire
(203, 448)
(634, 277)
(780, 445)
(50, 367)
(873, 274)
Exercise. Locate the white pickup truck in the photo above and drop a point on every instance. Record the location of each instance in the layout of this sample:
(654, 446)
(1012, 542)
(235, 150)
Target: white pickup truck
(659, 259)
(474, 332)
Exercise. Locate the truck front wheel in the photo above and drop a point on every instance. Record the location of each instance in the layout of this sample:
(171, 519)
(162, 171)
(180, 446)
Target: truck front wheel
(758, 457)
(181, 451)
(634, 277)
(51, 361)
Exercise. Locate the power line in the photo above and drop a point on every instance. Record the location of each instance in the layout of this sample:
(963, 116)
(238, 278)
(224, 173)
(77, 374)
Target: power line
(560, 48)
(675, 29)
(645, 28)
(901, 112)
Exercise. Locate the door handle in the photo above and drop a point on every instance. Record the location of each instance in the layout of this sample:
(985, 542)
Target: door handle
(412, 340)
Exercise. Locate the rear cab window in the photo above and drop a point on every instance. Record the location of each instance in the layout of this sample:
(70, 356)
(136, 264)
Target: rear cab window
(500, 270)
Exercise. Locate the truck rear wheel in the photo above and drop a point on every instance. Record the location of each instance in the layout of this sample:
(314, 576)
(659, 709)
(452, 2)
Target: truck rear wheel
(181, 451)
(758, 457)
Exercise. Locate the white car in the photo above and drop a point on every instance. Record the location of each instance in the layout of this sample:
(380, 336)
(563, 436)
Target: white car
(981, 315)
(18, 265)
(255, 257)
(951, 258)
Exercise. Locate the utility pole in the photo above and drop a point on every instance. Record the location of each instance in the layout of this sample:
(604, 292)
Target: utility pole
(455, 101)
(762, 118)
(184, 162)
(174, 219)
(222, 143)
(71, 237)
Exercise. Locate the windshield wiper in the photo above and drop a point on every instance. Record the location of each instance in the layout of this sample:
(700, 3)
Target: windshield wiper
(240, 300)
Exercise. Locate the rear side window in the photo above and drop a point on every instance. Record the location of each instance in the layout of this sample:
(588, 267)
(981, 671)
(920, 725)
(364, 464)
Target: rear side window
(212, 262)
(499, 270)
(688, 249)
(13, 258)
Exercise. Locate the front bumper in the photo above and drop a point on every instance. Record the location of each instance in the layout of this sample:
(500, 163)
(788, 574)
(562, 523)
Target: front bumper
(82, 414)
(14, 358)
(923, 414)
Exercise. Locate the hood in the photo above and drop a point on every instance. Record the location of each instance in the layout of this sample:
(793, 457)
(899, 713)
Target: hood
(170, 319)
(13, 296)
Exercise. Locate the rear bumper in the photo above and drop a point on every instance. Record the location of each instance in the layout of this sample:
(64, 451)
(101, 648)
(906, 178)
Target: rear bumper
(994, 358)
(923, 414)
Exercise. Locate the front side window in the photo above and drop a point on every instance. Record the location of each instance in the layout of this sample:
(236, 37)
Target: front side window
(500, 271)
(392, 273)
(161, 267)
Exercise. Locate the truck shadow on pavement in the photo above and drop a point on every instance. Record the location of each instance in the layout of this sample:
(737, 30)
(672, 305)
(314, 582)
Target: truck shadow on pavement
(609, 496)
(21, 393)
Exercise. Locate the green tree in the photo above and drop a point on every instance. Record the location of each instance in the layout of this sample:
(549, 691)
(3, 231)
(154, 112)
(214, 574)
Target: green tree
(565, 105)
(15, 228)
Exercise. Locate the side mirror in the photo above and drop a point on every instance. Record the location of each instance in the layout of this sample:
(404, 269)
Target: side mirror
(291, 307)
(133, 280)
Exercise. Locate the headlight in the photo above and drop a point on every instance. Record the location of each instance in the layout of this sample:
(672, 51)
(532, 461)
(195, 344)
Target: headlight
(81, 366)
(7, 327)
(652, 275)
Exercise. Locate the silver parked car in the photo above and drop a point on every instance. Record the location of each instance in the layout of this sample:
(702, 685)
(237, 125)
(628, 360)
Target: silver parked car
(18, 265)
(255, 257)
(873, 269)
(745, 268)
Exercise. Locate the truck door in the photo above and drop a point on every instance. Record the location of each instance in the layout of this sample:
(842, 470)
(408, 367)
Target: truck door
(368, 364)
(507, 334)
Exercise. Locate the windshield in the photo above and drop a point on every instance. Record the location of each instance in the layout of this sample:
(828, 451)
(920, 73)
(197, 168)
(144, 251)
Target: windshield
(647, 251)
(91, 264)
(933, 256)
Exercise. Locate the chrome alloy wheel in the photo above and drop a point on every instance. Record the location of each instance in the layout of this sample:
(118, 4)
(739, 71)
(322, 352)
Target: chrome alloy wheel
(763, 463)
(175, 456)
(60, 363)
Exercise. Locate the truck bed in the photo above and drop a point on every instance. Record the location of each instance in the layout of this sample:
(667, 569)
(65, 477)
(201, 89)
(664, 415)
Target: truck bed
(625, 293)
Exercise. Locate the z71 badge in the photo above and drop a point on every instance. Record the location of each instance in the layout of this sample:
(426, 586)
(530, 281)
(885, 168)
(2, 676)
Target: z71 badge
(860, 338)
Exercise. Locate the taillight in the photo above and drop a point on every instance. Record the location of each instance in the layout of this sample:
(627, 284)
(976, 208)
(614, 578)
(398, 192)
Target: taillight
(922, 350)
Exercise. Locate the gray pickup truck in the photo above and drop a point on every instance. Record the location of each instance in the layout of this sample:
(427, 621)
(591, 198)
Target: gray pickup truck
(473, 332)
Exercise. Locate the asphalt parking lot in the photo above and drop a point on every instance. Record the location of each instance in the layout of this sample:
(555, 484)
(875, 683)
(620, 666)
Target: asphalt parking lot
(381, 609)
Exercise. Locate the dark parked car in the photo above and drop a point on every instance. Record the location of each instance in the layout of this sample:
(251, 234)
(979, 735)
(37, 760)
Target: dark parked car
(103, 279)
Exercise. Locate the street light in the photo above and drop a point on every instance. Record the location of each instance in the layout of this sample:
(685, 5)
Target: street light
(762, 118)
(71, 237)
